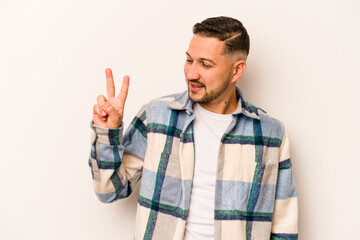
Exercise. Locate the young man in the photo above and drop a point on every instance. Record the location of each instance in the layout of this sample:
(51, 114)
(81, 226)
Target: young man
(212, 165)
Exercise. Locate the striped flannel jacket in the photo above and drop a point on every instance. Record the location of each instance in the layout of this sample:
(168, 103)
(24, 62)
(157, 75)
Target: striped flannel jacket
(255, 193)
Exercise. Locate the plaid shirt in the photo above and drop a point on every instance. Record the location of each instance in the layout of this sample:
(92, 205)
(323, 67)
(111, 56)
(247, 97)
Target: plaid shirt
(255, 193)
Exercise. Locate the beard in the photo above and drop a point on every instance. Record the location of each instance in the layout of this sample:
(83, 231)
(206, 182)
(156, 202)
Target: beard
(208, 96)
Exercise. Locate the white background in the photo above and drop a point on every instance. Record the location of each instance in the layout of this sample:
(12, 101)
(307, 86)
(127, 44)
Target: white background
(303, 68)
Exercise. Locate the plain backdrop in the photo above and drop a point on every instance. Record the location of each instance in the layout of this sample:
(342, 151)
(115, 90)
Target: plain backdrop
(303, 68)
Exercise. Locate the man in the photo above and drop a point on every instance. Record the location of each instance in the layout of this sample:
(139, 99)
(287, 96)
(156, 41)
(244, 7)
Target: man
(212, 165)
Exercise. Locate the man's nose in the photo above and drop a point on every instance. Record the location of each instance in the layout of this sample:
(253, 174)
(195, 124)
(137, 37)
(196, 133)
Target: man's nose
(192, 72)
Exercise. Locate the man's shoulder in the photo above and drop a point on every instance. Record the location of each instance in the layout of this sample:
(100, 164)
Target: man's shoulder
(268, 121)
(163, 101)
(159, 110)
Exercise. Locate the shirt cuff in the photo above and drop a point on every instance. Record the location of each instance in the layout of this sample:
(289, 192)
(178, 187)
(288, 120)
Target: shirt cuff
(106, 136)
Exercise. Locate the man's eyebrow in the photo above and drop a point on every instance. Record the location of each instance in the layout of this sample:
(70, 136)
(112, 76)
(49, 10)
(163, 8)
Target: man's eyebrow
(202, 59)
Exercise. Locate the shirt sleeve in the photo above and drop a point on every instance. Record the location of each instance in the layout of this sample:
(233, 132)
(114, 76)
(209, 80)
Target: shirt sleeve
(116, 160)
(285, 218)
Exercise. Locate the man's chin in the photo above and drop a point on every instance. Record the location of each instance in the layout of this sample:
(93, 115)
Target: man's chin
(192, 97)
(196, 98)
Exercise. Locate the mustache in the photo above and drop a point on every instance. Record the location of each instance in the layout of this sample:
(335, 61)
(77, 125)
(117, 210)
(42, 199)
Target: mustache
(197, 82)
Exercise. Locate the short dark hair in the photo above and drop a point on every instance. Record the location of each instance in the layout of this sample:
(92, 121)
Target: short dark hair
(226, 29)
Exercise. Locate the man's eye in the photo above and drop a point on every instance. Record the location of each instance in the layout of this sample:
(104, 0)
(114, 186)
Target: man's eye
(205, 65)
(189, 60)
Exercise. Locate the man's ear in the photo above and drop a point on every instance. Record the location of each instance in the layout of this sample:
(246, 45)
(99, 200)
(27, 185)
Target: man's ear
(238, 70)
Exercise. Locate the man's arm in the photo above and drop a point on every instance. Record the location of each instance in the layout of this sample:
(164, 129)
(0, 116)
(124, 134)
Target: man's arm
(285, 218)
(116, 161)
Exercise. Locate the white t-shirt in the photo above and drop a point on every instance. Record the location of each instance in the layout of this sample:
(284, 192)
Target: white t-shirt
(209, 128)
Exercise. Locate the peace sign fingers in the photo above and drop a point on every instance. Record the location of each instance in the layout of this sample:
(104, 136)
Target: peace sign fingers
(109, 112)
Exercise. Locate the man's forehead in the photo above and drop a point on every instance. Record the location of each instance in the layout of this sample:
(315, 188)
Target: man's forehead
(205, 47)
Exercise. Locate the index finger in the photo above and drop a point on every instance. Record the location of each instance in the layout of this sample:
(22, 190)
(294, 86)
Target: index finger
(110, 87)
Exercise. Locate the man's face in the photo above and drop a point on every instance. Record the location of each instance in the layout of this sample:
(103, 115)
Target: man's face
(207, 71)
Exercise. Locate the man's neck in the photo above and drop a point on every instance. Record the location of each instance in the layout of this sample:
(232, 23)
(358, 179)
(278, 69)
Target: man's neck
(222, 106)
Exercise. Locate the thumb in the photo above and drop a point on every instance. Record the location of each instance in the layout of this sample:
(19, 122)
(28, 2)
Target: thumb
(113, 115)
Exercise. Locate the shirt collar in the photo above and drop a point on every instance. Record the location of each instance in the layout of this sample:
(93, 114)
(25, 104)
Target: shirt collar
(183, 102)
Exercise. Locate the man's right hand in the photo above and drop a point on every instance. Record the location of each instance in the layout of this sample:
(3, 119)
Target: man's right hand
(108, 113)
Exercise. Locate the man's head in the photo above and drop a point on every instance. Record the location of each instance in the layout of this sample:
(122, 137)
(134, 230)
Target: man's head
(228, 30)
(216, 59)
